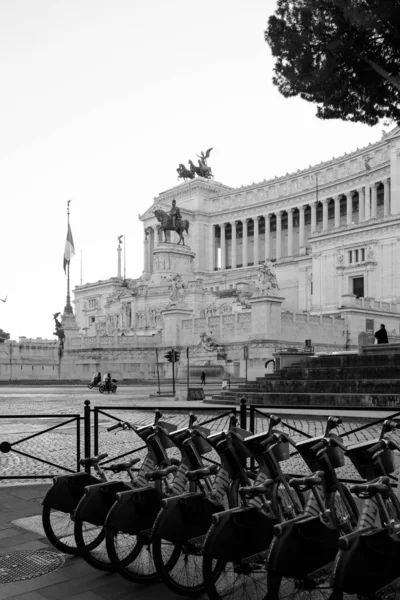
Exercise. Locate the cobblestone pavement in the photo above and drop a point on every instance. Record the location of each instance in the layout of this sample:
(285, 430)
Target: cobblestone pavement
(48, 407)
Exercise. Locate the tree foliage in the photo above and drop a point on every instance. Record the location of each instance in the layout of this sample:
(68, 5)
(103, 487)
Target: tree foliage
(343, 55)
(4, 336)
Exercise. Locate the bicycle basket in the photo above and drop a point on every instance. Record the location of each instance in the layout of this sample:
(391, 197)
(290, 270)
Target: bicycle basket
(334, 453)
(202, 446)
(241, 449)
(281, 451)
(164, 439)
(364, 463)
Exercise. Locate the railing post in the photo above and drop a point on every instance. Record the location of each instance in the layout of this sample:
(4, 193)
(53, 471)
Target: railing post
(86, 413)
(243, 413)
(252, 429)
(252, 419)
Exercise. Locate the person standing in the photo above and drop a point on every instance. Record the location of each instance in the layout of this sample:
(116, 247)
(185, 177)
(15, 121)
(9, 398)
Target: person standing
(203, 378)
(381, 335)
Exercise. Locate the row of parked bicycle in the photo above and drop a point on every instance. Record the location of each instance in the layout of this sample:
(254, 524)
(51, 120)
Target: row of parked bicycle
(233, 531)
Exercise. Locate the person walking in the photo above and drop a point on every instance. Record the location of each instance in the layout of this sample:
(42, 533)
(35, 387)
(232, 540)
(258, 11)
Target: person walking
(203, 378)
(381, 335)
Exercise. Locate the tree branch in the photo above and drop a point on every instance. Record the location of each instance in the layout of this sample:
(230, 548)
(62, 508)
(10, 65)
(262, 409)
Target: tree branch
(394, 80)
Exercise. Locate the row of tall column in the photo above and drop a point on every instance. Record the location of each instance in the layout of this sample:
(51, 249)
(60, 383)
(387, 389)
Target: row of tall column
(367, 209)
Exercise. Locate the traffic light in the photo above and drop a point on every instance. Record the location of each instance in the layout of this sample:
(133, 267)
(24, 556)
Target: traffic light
(172, 356)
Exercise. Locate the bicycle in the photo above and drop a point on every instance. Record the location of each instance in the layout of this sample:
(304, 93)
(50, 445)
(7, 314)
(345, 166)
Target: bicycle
(182, 523)
(240, 537)
(367, 563)
(302, 552)
(130, 520)
(91, 513)
(61, 501)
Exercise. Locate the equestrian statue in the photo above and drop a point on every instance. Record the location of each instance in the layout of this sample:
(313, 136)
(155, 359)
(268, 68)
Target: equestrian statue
(202, 170)
(172, 222)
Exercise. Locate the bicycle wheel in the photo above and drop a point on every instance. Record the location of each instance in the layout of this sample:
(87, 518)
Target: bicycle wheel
(59, 529)
(344, 510)
(307, 588)
(392, 506)
(236, 581)
(286, 503)
(181, 565)
(131, 555)
(90, 540)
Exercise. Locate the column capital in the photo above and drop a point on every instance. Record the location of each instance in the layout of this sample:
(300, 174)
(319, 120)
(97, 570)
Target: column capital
(245, 220)
(222, 225)
(267, 216)
(386, 180)
(278, 213)
(337, 197)
(290, 210)
(313, 204)
(256, 219)
(301, 208)
(360, 190)
(325, 201)
(232, 223)
(375, 184)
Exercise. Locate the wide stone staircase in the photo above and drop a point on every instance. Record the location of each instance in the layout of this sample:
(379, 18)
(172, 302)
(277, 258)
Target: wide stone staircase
(332, 380)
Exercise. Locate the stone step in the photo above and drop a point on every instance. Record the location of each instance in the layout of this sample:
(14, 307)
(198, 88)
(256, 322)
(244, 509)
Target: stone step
(310, 399)
(335, 386)
(348, 360)
(323, 373)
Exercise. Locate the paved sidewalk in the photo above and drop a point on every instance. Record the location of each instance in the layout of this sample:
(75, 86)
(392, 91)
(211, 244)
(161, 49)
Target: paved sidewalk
(74, 580)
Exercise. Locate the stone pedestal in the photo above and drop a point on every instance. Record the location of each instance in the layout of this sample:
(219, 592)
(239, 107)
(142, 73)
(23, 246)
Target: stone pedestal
(173, 317)
(266, 317)
(70, 326)
(171, 259)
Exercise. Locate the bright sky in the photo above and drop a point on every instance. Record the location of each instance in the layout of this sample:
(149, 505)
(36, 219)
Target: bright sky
(101, 100)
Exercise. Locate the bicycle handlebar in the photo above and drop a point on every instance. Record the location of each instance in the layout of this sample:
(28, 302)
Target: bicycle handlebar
(115, 426)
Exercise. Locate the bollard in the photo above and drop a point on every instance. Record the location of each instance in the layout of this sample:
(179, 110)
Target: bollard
(86, 442)
(243, 413)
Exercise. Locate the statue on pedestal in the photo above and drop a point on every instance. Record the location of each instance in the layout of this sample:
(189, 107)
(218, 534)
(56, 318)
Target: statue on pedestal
(172, 222)
(177, 288)
(266, 281)
(203, 170)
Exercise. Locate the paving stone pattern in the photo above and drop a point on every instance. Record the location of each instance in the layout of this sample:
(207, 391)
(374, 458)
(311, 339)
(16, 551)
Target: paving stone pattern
(59, 446)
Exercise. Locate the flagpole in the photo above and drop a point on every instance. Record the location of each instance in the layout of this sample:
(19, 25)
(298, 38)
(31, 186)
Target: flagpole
(68, 308)
(124, 259)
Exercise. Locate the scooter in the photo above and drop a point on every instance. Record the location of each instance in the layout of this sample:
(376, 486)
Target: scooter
(94, 383)
(112, 387)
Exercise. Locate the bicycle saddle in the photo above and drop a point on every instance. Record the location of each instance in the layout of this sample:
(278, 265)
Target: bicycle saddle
(124, 466)
(308, 482)
(369, 490)
(92, 460)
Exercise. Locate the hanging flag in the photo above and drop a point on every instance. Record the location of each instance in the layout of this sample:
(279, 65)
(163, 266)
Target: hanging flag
(69, 248)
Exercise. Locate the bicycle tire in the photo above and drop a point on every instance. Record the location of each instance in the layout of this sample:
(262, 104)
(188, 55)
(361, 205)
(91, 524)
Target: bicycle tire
(285, 506)
(131, 556)
(180, 565)
(345, 522)
(90, 540)
(235, 581)
(59, 529)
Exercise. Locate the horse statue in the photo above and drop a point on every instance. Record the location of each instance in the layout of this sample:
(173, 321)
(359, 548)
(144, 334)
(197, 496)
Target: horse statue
(165, 220)
(184, 173)
(201, 170)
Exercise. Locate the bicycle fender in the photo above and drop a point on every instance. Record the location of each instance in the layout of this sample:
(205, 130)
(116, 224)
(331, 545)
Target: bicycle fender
(371, 562)
(185, 517)
(303, 548)
(67, 490)
(238, 534)
(97, 501)
(135, 511)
